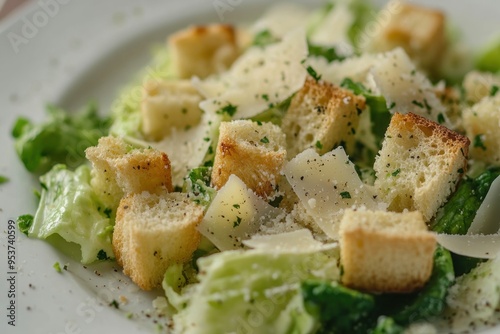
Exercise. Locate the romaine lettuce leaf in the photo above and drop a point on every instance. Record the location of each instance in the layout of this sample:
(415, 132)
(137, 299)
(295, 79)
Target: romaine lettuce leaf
(338, 308)
(70, 208)
(62, 138)
(489, 59)
(248, 291)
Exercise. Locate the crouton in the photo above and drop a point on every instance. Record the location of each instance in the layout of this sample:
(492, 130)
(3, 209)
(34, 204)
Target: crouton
(118, 169)
(479, 84)
(153, 231)
(167, 104)
(255, 153)
(203, 50)
(385, 251)
(321, 116)
(451, 101)
(419, 165)
(418, 30)
(482, 125)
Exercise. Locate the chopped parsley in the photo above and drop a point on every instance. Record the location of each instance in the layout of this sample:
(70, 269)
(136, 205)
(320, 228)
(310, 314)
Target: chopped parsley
(108, 212)
(228, 110)
(101, 255)
(330, 54)
(57, 267)
(440, 118)
(237, 222)
(418, 104)
(319, 145)
(114, 303)
(396, 172)
(3, 179)
(478, 142)
(265, 97)
(24, 223)
(494, 90)
(264, 38)
(345, 194)
(265, 140)
(313, 73)
(236, 206)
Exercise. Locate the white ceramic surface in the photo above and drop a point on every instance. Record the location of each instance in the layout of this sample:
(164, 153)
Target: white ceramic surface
(67, 52)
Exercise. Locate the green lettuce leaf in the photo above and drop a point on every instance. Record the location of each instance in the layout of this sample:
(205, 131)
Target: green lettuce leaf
(489, 59)
(62, 138)
(70, 208)
(248, 291)
(337, 308)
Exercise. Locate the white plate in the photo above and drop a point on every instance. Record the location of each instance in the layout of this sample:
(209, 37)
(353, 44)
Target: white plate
(70, 52)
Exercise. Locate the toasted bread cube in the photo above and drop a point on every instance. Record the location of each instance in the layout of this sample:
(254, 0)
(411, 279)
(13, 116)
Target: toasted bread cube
(419, 30)
(478, 85)
(482, 125)
(385, 251)
(419, 165)
(255, 153)
(153, 231)
(118, 169)
(168, 104)
(321, 116)
(203, 50)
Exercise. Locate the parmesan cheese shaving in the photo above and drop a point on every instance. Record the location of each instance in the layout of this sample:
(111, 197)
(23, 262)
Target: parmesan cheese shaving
(187, 148)
(300, 241)
(235, 214)
(261, 78)
(332, 182)
(281, 19)
(487, 219)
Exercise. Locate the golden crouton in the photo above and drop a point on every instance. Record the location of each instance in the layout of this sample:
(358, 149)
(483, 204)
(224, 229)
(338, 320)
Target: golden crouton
(482, 125)
(255, 153)
(167, 104)
(385, 251)
(419, 165)
(203, 50)
(153, 231)
(119, 169)
(419, 30)
(321, 116)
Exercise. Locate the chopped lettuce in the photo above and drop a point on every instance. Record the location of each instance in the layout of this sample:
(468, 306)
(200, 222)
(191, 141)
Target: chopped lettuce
(489, 59)
(360, 12)
(248, 291)
(456, 216)
(337, 308)
(431, 300)
(62, 138)
(70, 208)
